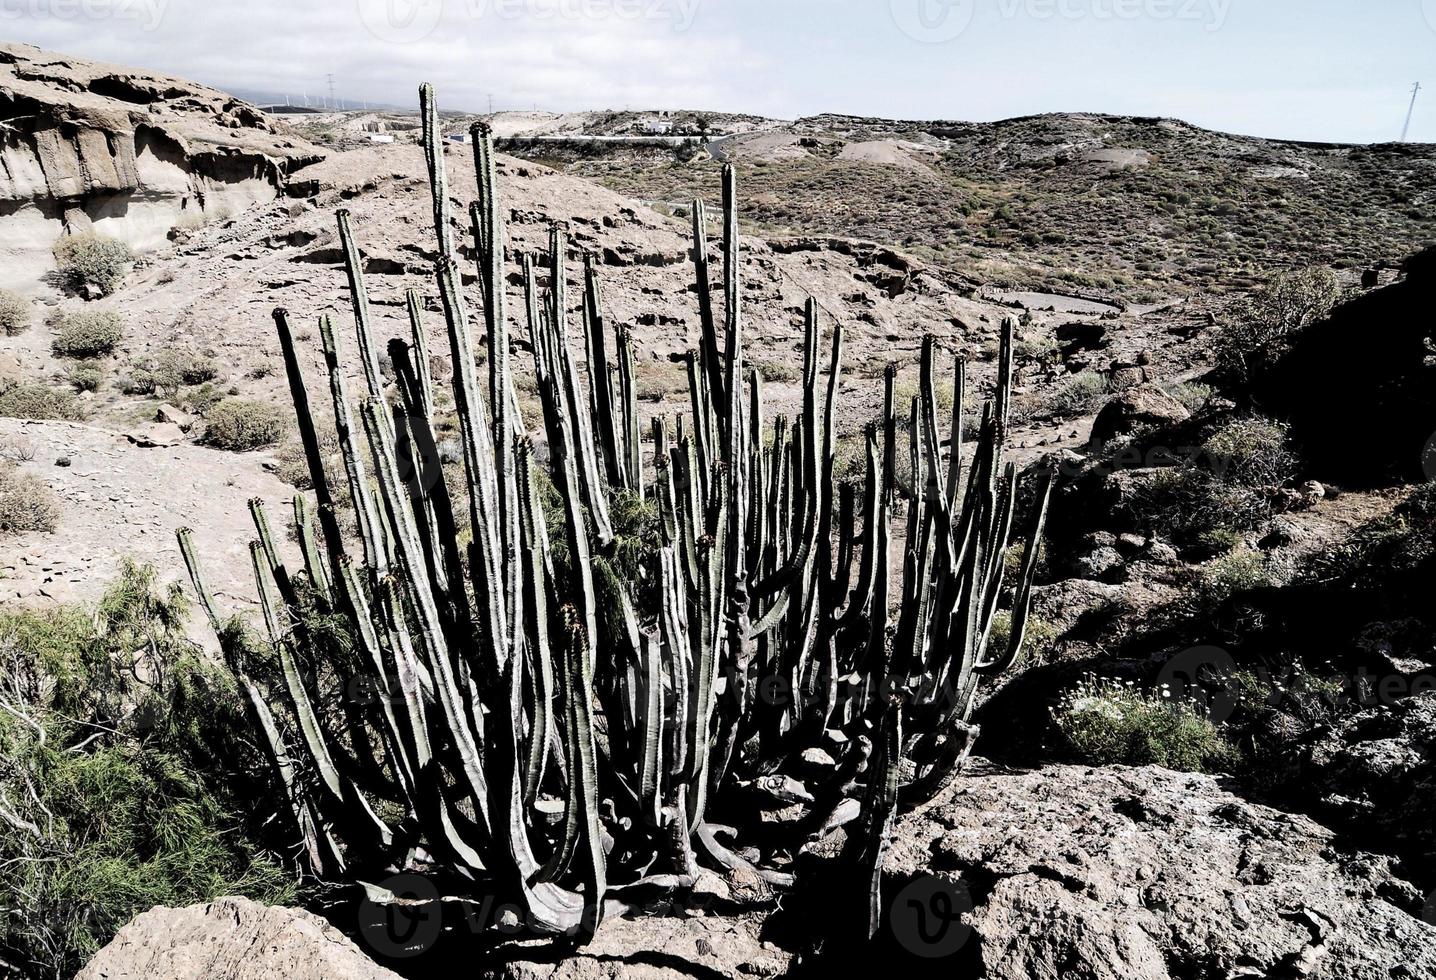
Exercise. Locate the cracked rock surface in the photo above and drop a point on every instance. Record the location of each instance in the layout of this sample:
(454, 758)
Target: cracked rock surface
(1147, 874)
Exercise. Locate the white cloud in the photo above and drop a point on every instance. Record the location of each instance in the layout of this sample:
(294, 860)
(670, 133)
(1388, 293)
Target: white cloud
(556, 53)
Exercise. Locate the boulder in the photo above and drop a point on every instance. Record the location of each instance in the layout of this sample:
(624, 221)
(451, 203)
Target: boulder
(1064, 604)
(1141, 406)
(1081, 335)
(175, 416)
(230, 939)
(1148, 874)
(1102, 564)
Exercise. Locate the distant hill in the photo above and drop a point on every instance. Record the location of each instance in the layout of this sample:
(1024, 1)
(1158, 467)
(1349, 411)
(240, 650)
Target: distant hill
(318, 101)
(1131, 206)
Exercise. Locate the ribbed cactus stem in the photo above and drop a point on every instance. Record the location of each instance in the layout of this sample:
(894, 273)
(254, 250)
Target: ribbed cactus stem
(433, 140)
(309, 438)
(359, 300)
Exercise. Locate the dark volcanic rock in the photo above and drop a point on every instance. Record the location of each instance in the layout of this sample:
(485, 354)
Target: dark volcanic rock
(1360, 388)
(1376, 773)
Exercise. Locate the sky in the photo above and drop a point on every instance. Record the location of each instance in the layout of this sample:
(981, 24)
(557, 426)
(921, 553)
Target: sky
(1328, 70)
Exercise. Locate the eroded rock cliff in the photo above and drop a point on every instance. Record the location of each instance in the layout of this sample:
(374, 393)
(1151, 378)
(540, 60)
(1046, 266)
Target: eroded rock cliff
(86, 145)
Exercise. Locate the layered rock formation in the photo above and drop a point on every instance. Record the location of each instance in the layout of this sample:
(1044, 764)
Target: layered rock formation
(128, 153)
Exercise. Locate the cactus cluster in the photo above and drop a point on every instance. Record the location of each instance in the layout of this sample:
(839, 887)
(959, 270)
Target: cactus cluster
(549, 732)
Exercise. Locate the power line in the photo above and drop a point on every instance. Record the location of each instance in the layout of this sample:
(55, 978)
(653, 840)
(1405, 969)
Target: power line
(1415, 90)
(332, 103)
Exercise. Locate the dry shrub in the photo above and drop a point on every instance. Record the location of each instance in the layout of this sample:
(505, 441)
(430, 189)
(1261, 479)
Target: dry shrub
(26, 502)
(241, 425)
(88, 259)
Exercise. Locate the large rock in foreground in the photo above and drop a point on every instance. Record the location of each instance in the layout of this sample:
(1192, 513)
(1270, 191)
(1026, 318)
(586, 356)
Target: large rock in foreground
(231, 939)
(1146, 874)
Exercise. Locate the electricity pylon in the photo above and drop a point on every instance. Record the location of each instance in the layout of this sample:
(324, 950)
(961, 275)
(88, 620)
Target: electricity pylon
(1415, 90)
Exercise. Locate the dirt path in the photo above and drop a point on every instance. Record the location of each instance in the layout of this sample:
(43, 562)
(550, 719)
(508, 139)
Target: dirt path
(120, 499)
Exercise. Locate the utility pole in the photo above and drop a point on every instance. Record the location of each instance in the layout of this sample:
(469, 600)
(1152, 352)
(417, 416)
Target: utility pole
(491, 104)
(1415, 90)
(332, 103)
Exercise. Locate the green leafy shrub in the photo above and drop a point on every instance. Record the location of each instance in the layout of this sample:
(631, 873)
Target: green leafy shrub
(777, 372)
(16, 313)
(1239, 571)
(26, 502)
(1110, 722)
(168, 372)
(905, 391)
(1277, 713)
(1037, 642)
(1079, 394)
(1251, 452)
(241, 425)
(110, 798)
(1264, 327)
(32, 400)
(1193, 395)
(202, 399)
(88, 259)
(87, 333)
(84, 377)
(1037, 345)
(1190, 507)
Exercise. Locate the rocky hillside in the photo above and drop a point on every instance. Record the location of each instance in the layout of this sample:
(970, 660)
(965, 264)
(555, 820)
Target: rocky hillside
(1132, 208)
(128, 153)
(209, 294)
